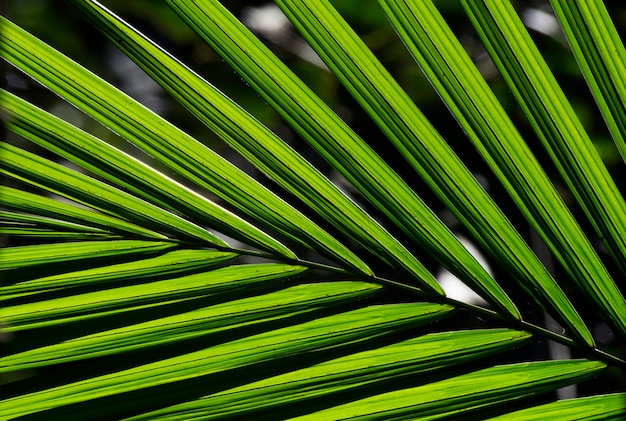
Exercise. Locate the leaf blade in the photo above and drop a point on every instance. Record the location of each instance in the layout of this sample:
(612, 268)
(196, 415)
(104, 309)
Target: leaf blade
(58, 311)
(600, 53)
(490, 386)
(169, 145)
(214, 319)
(30, 256)
(25, 166)
(338, 330)
(600, 407)
(23, 201)
(337, 143)
(473, 104)
(261, 147)
(390, 107)
(173, 262)
(566, 141)
(125, 171)
(319, 385)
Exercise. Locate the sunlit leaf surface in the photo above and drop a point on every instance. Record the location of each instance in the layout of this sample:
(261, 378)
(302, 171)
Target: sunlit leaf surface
(286, 263)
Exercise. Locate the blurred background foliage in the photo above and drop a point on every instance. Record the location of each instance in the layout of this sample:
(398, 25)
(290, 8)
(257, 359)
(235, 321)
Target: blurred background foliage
(58, 24)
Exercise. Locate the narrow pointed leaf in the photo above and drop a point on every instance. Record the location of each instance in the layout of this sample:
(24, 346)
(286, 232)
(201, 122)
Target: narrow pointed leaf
(23, 201)
(601, 56)
(491, 386)
(176, 262)
(17, 220)
(213, 319)
(563, 136)
(391, 108)
(351, 374)
(30, 168)
(332, 139)
(591, 408)
(334, 331)
(62, 310)
(166, 143)
(54, 235)
(270, 154)
(125, 171)
(465, 92)
(31, 256)
(153, 330)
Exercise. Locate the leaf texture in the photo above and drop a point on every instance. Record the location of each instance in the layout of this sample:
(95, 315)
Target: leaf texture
(186, 156)
(477, 110)
(182, 284)
(563, 136)
(275, 158)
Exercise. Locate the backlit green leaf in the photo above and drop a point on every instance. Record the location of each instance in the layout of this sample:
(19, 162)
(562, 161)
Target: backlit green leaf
(260, 146)
(201, 322)
(328, 383)
(490, 386)
(62, 310)
(213, 362)
(23, 201)
(368, 81)
(596, 44)
(177, 262)
(166, 143)
(591, 408)
(25, 166)
(33, 256)
(16, 221)
(465, 92)
(566, 141)
(121, 169)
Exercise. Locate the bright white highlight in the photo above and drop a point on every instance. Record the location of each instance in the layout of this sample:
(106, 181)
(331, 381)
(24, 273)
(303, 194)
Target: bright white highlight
(454, 287)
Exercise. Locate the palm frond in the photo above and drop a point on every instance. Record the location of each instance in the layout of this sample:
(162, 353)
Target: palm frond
(171, 284)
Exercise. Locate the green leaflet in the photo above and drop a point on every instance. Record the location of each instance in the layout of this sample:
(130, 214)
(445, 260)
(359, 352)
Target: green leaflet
(592, 408)
(62, 310)
(43, 254)
(33, 204)
(601, 57)
(567, 143)
(184, 326)
(335, 141)
(465, 92)
(163, 334)
(54, 235)
(394, 112)
(169, 145)
(269, 153)
(32, 169)
(177, 262)
(15, 219)
(127, 172)
(491, 386)
(328, 383)
(324, 333)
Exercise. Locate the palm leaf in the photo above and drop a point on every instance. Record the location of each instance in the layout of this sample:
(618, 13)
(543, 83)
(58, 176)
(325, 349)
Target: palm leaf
(170, 284)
